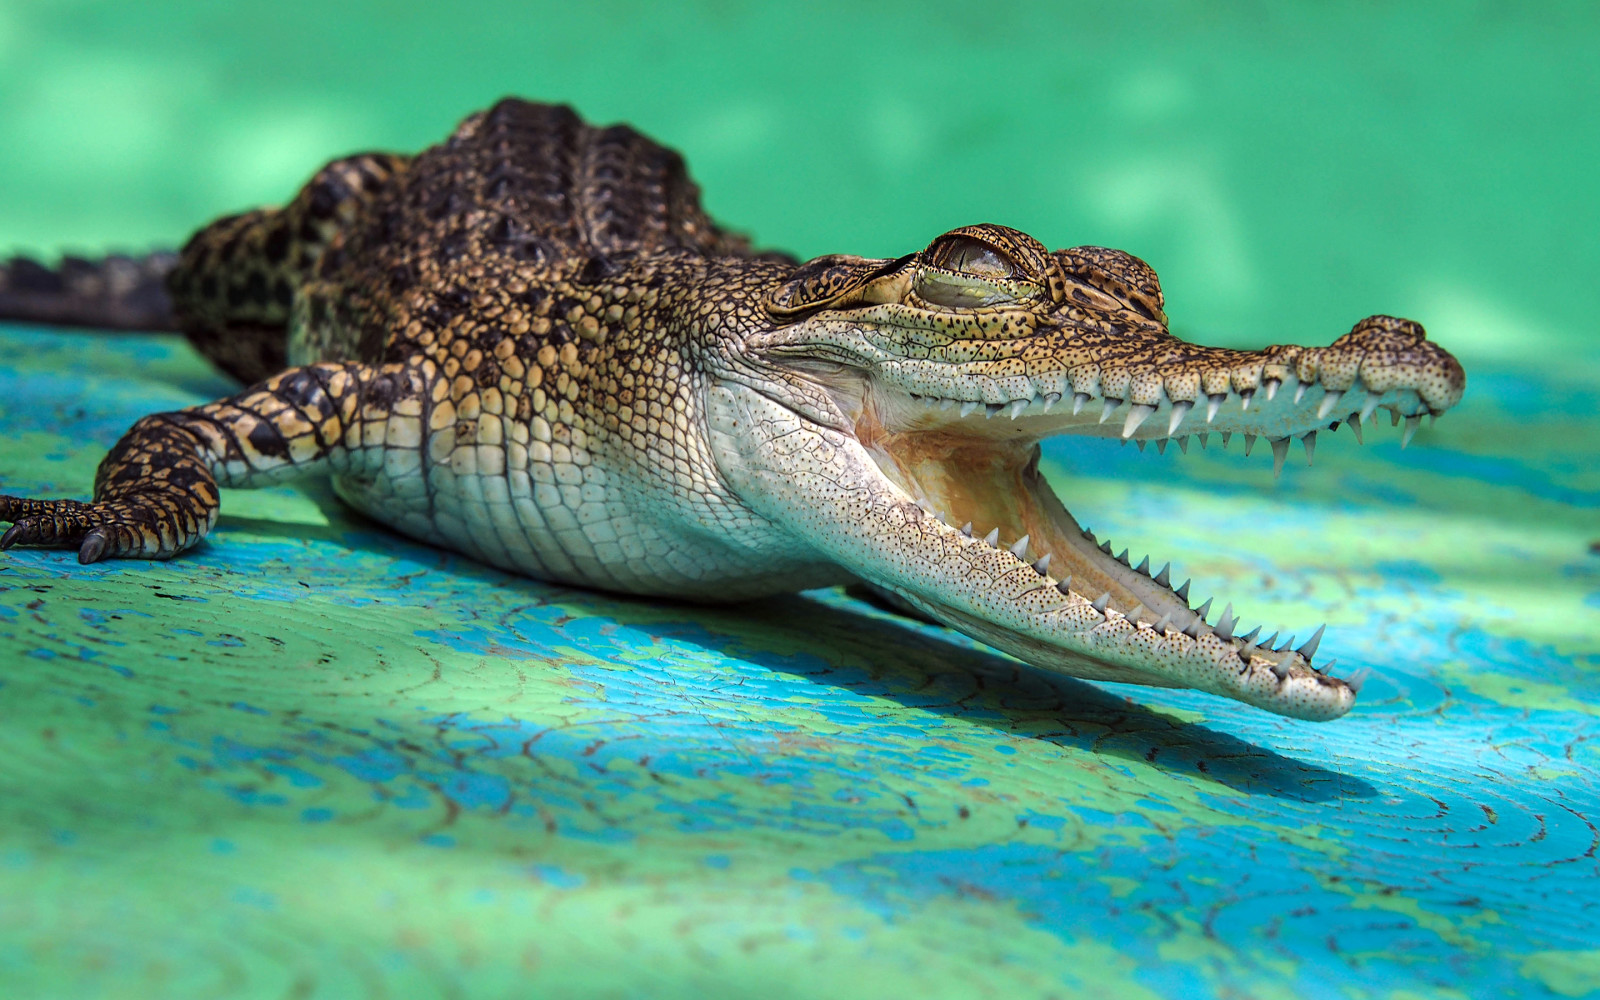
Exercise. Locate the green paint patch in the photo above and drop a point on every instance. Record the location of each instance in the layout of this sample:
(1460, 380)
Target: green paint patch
(1566, 973)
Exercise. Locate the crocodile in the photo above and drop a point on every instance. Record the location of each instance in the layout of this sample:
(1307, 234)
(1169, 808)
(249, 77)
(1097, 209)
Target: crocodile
(530, 344)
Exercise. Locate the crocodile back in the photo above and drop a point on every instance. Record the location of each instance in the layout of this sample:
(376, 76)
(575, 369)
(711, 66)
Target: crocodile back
(533, 182)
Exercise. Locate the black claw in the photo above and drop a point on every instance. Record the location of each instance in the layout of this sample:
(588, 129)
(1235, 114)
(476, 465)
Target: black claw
(93, 547)
(10, 537)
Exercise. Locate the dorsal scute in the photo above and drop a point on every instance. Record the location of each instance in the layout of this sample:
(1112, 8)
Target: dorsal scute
(537, 182)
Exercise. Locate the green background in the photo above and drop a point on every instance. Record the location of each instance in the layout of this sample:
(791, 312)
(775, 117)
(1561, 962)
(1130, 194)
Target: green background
(1287, 167)
(311, 759)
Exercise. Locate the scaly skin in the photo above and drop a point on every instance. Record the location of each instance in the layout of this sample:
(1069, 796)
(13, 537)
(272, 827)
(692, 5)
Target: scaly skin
(530, 345)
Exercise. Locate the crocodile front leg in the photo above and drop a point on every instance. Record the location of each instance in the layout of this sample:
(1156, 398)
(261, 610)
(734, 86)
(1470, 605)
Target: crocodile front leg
(823, 485)
(156, 492)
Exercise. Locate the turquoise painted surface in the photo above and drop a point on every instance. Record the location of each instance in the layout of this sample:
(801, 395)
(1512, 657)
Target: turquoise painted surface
(313, 759)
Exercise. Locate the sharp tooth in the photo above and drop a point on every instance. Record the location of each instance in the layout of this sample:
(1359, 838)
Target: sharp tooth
(1161, 446)
(1020, 548)
(990, 409)
(1245, 395)
(1089, 535)
(1136, 416)
(1250, 637)
(1268, 641)
(1310, 648)
(1161, 626)
(1106, 410)
(1272, 385)
(1105, 546)
(1100, 602)
(1329, 401)
(1017, 406)
(1180, 409)
(1144, 566)
(945, 404)
(1310, 442)
(968, 407)
(1249, 442)
(1192, 630)
(1183, 591)
(1357, 679)
(1280, 451)
(1412, 423)
(1368, 407)
(1286, 644)
(1051, 399)
(1204, 437)
(1123, 559)
(1134, 613)
(1065, 584)
(1226, 623)
(966, 529)
(1078, 399)
(1162, 577)
(1213, 404)
(1354, 423)
(1299, 393)
(1203, 609)
(1183, 444)
(1394, 415)
(1280, 670)
(1226, 437)
(993, 538)
(1140, 442)
(1042, 567)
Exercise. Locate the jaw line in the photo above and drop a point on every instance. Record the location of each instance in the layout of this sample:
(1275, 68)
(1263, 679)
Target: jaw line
(984, 472)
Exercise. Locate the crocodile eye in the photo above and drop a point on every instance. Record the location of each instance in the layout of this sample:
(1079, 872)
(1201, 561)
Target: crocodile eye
(969, 256)
(959, 272)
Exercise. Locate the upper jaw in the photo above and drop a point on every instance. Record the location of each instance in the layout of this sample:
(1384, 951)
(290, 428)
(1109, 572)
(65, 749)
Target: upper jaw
(1279, 393)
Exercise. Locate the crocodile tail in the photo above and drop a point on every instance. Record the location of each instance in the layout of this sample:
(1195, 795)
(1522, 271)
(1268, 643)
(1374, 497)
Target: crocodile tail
(116, 292)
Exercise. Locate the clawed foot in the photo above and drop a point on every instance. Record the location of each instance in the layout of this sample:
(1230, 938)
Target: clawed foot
(101, 530)
(57, 523)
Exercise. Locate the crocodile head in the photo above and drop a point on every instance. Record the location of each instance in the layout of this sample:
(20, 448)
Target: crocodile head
(927, 383)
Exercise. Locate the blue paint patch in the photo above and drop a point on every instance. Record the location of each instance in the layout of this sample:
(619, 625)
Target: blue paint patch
(557, 877)
(316, 815)
(295, 776)
(478, 791)
(374, 765)
(439, 840)
(1407, 570)
(251, 796)
(240, 706)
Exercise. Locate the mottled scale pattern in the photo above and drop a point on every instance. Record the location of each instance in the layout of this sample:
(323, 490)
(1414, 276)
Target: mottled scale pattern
(530, 344)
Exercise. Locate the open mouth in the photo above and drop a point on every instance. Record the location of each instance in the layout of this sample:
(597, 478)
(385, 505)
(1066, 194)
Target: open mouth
(974, 465)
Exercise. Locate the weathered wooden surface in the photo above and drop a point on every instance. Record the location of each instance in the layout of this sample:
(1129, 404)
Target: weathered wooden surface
(312, 759)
